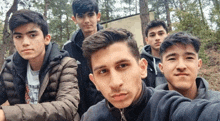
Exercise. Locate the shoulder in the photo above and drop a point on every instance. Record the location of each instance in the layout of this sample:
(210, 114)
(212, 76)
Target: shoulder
(96, 112)
(213, 95)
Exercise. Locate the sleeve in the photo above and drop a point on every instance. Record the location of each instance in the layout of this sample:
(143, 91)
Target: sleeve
(63, 108)
(174, 107)
(3, 96)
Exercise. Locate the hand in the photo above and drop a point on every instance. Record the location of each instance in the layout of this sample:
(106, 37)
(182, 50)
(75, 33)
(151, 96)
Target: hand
(2, 115)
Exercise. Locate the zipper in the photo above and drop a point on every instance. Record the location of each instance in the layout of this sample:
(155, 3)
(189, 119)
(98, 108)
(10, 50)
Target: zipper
(122, 115)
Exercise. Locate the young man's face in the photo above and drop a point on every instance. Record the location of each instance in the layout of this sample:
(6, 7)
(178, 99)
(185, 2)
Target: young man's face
(117, 74)
(180, 66)
(155, 37)
(87, 22)
(30, 42)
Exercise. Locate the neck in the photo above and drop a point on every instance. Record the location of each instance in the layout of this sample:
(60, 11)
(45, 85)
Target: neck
(36, 63)
(190, 93)
(155, 53)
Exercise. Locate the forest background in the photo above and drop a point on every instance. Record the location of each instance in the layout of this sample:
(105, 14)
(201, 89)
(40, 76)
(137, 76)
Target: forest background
(201, 18)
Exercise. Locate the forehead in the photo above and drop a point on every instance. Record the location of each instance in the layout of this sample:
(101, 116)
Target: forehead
(180, 49)
(26, 27)
(112, 54)
(156, 29)
(86, 13)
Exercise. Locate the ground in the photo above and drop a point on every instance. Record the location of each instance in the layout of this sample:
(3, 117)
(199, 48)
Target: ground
(211, 70)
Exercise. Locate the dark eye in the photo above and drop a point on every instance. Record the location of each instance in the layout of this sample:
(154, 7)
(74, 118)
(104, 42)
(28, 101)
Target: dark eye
(152, 35)
(190, 58)
(103, 71)
(171, 59)
(161, 33)
(122, 66)
(91, 14)
(17, 36)
(80, 15)
(32, 35)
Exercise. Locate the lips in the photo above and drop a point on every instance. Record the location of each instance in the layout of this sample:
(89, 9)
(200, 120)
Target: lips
(119, 96)
(26, 50)
(181, 74)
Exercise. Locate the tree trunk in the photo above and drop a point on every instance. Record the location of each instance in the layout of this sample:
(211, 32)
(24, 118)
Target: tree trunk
(7, 42)
(46, 8)
(200, 6)
(168, 15)
(144, 15)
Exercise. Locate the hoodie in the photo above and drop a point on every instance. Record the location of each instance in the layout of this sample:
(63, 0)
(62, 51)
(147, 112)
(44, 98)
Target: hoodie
(154, 75)
(203, 91)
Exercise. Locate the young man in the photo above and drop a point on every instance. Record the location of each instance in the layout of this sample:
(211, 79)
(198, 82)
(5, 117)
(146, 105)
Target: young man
(155, 32)
(180, 65)
(38, 80)
(117, 72)
(86, 15)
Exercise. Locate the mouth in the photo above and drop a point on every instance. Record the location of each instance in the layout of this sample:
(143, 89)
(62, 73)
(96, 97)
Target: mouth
(119, 96)
(157, 44)
(26, 50)
(181, 74)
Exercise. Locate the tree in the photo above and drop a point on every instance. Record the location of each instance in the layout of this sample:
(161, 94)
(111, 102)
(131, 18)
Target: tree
(166, 4)
(144, 15)
(7, 43)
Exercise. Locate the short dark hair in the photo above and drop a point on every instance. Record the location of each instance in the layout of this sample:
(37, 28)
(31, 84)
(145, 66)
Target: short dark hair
(155, 23)
(107, 37)
(179, 38)
(23, 17)
(83, 6)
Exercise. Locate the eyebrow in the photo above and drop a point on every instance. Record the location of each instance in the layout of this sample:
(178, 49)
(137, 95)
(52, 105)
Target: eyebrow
(29, 32)
(169, 55)
(117, 62)
(187, 53)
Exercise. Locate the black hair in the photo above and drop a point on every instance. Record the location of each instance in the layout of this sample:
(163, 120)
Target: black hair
(155, 23)
(179, 38)
(22, 17)
(107, 37)
(83, 6)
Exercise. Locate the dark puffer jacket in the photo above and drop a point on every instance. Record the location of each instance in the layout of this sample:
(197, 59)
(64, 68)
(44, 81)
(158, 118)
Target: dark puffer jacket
(88, 93)
(58, 93)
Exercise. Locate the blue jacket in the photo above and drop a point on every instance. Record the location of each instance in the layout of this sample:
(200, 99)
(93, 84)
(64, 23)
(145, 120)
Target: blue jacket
(203, 91)
(156, 105)
(88, 93)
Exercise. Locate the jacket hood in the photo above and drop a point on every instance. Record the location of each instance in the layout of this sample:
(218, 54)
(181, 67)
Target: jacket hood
(146, 50)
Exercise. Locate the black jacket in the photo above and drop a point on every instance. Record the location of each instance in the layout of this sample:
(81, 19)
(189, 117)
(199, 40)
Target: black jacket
(154, 75)
(156, 105)
(88, 93)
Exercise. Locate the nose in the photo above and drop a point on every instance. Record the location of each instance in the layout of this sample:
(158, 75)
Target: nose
(157, 37)
(86, 19)
(26, 42)
(181, 66)
(116, 81)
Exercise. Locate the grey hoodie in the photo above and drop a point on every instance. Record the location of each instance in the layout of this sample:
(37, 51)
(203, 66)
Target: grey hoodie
(203, 90)
(154, 75)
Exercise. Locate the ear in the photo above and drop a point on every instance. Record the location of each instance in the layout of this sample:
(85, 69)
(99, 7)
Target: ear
(91, 77)
(199, 63)
(161, 67)
(143, 66)
(47, 39)
(98, 16)
(146, 39)
(74, 19)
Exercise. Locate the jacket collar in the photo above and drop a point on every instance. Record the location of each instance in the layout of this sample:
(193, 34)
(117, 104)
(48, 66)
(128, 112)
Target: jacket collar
(134, 110)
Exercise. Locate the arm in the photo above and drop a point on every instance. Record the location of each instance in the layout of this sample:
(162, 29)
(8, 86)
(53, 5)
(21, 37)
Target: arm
(63, 108)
